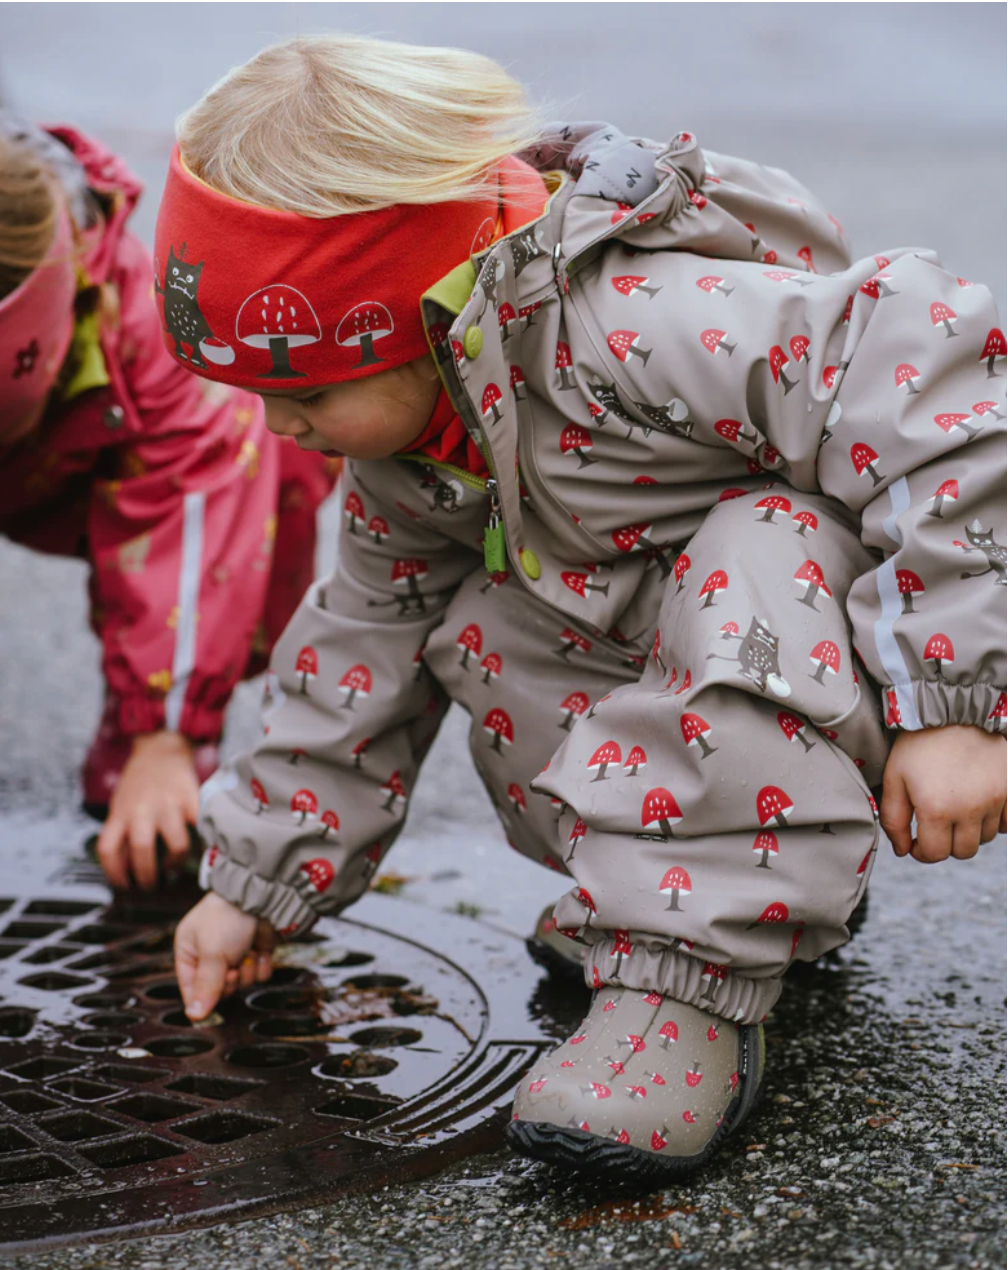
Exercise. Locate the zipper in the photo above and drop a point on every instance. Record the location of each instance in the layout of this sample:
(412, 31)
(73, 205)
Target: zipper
(494, 543)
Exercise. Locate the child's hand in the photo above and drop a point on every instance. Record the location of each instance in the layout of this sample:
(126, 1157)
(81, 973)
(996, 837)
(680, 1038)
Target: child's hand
(218, 949)
(953, 778)
(157, 793)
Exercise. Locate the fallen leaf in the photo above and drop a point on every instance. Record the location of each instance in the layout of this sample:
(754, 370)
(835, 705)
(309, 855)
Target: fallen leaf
(624, 1211)
(876, 1122)
(957, 1165)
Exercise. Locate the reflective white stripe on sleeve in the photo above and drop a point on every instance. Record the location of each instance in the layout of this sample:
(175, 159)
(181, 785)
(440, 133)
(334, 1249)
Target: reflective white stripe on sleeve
(889, 596)
(190, 573)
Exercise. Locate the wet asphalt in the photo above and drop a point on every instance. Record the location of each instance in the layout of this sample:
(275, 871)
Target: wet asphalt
(880, 1141)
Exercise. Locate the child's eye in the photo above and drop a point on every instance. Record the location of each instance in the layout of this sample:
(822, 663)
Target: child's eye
(313, 400)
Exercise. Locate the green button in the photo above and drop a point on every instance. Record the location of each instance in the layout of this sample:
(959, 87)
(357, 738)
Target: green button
(472, 342)
(530, 563)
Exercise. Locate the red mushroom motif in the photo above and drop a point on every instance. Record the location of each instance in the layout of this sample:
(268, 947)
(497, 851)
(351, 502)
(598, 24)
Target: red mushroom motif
(659, 807)
(799, 346)
(778, 360)
(733, 430)
(517, 382)
(355, 683)
(577, 440)
(304, 806)
(491, 399)
(378, 529)
(715, 341)
(359, 750)
(576, 834)
(773, 806)
(773, 914)
(259, 794)
(306, 666)
(359, 328)
(939, 649)
(607, 753)
(624, 345)
(805, 521)
(998, 714)
(573, 707)
(353, 510)
(713, 976)
(581, 585)
(994, 347)
(908, 375)
(952, 420)
(506, 317)
(394, 791)
(765, 845)
(909, 586)
(572, 641)
(630, 284)
(563, 366)
(676, 882)
(794, 728)
(942, 315)
(278, 318)
(826, 656)
(864, 457)
(636, 761)
(491, 665)
(695, 732)
(470, 642)
(329, 822)
(316, 875)
(669, 1033)
(498, 726)
(810, 576)
(710, 284)
(716, 581)
(770, 505)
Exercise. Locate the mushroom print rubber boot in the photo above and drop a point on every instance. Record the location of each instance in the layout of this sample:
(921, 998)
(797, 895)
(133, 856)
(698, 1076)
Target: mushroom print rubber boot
(643, 1093)
(556, 952)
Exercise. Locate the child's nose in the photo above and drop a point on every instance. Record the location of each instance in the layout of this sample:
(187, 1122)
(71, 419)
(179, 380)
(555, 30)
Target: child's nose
(281, 420)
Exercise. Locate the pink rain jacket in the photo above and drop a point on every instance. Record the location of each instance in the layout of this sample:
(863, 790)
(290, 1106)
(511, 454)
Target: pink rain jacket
(170, 486)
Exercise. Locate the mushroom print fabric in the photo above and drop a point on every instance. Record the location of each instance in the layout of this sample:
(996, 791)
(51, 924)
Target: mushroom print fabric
(746, 523)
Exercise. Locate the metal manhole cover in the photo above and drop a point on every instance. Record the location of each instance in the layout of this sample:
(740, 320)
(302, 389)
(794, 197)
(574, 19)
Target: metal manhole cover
(376, 1057)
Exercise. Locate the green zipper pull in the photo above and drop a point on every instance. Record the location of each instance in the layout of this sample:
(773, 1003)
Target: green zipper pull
(494, 550)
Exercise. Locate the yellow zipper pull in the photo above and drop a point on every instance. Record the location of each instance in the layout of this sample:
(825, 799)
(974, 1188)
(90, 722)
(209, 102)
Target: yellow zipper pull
(494, 550)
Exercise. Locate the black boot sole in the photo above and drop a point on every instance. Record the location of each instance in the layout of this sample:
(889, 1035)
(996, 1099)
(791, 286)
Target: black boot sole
(633, 1167)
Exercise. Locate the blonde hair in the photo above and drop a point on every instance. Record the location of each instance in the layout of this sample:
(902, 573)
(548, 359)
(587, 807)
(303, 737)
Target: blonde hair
(29, 214)
(326, 125)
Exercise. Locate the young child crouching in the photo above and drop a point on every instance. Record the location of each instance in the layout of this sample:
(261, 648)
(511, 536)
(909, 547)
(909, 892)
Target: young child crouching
(639, 463)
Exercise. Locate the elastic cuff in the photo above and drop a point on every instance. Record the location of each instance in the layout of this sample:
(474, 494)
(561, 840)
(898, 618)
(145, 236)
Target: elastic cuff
(199, 724)
(937, 703)
(273, 901)
(654, 967)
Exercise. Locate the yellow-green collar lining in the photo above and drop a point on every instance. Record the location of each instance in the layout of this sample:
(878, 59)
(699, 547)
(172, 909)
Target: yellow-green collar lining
(87, 356)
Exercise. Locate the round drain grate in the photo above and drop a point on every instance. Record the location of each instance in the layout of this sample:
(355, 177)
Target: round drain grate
(370, 1055)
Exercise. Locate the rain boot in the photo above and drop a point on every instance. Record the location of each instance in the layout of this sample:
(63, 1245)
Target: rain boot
(557, 953)
(643, 1093)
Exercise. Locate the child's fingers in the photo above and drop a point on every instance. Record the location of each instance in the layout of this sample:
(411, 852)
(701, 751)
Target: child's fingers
(230, 983)
(175, 834)
(966, 839)
(112, 852)
(990, 827)
(896, 814)
(207, 986)
(934, 840)
(143, 859)
(264, 967)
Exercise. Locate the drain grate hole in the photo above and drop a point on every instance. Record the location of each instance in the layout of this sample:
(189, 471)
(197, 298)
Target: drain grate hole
(137, 969)
(366, 983)
(60, 908)
(153, 1107)
(113, 1019)
(12, 1139)
(100, 933)
(32, 1168)
(129, 913)
(24, 1102)
(267, 1056)
(16, 1023)
(5, 904)
(350, 960)
(164, 992)
(176, 1018)
(8, 948)
(84, 1090)
(30, 930)
(222, 1126)
(292, 1025)
(78, 1126)
(53, 981)
(100, 961)
(286, 1000)
(40, 1068)
(178, 1046)
(139, 1150)
(352, 1107)
(155, 942)
(57, 952)
(220, 1088)
(285, 974)
(386, 1037)
(131, 1073)
(358, 1066)
(105, 1000)
(99, 1040)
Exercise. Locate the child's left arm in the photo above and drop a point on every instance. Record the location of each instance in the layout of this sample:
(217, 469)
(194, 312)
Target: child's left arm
(953, 780)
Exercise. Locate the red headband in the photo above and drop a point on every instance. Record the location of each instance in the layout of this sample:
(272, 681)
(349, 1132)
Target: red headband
(267, 299)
